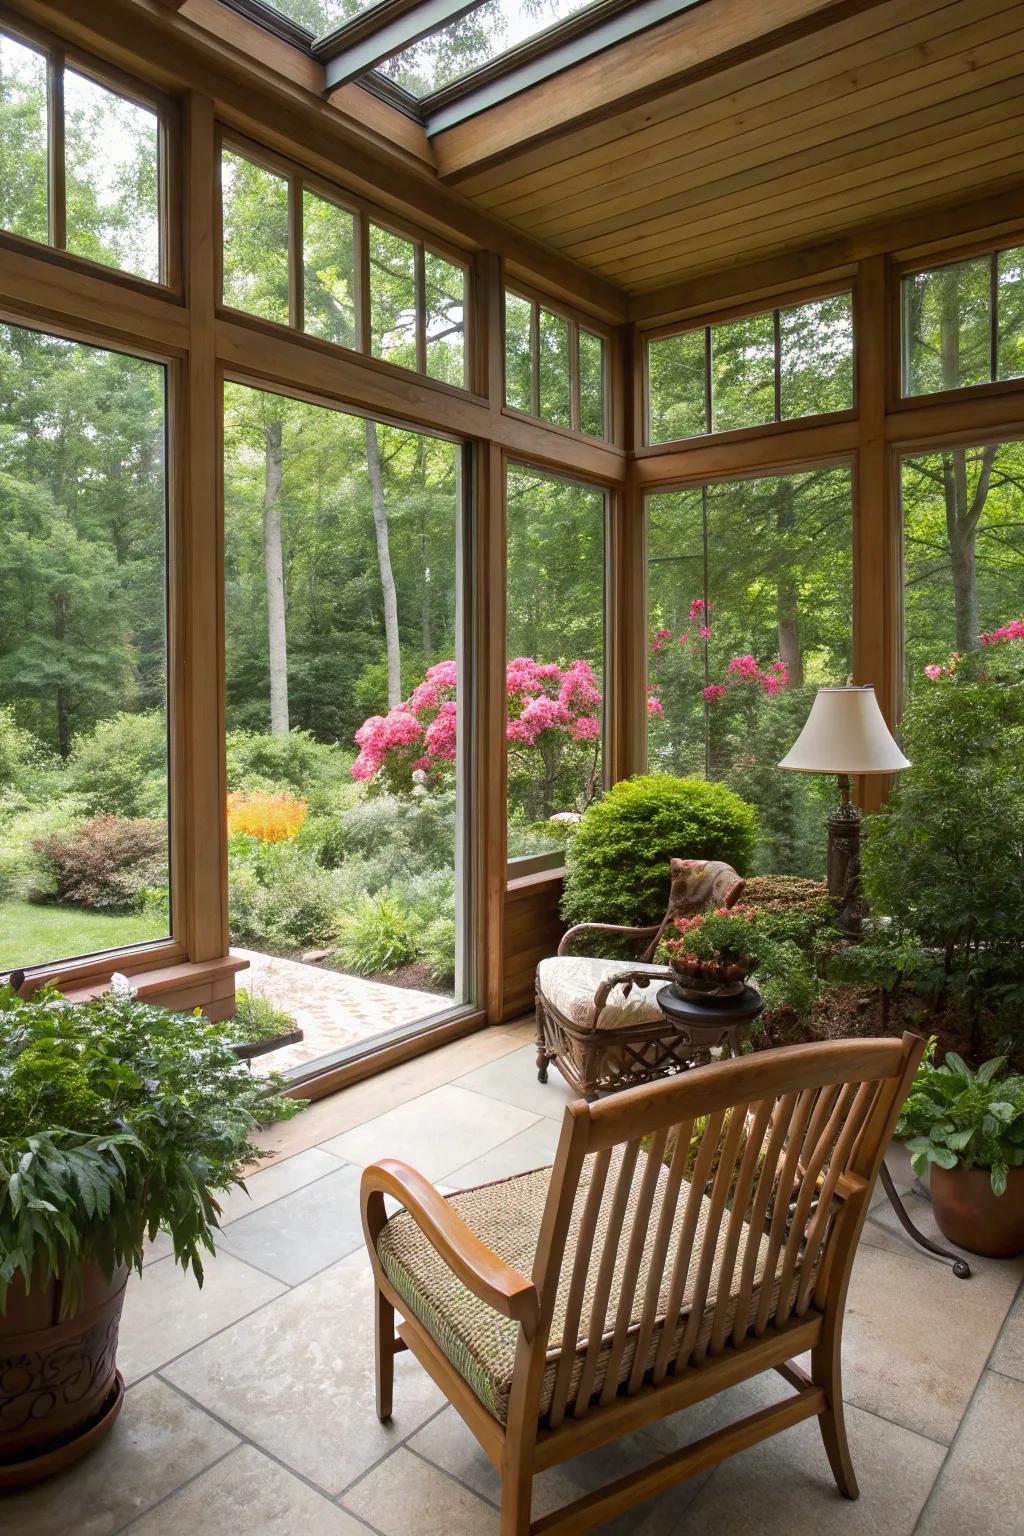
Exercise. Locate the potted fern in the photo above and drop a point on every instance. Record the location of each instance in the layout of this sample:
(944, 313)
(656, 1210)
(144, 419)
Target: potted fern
(117, 1119)
(967, 1128)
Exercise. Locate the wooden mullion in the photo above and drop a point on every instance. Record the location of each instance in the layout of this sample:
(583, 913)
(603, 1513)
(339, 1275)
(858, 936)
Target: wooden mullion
(574, 376)
(363, 325)
(56, 145)
(296, 259)
(421, 307)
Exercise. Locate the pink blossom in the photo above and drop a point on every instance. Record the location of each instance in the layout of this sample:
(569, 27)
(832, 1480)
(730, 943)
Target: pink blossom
(935, 671)
(654, 706)
(440, 737)
(443, 674)
(683, 638)
(663, 634)
(657, 645)
(705, 632)
(1012, 631)
(715, 691)
(424, 696)
(744, 666)
(586, 728)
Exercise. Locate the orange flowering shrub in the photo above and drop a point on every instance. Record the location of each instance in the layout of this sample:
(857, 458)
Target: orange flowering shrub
(271, 818)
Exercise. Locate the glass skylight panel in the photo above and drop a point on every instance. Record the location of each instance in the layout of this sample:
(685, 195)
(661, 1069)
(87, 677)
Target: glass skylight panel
(319, 16)
(465, 45)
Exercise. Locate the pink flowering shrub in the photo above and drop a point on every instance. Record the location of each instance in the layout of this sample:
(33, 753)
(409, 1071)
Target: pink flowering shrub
(741, 670)
(989, 640)
(549, 710)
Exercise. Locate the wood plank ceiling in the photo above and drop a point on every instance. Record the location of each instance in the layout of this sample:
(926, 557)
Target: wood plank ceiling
(895, 109)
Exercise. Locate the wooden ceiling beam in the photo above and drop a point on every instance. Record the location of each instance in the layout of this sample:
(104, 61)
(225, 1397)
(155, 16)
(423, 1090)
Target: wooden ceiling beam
(700, 40)
(742, 281)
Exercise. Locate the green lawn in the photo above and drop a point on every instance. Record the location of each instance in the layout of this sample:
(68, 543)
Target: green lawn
(31, 935)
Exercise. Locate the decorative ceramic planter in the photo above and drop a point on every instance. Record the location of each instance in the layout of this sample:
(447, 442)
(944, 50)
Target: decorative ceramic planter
(60, 1390)
(972, 1217)
(702, 979)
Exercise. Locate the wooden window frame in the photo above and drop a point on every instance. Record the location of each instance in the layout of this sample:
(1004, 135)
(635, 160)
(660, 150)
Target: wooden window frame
(950, 256)
(552, 863)
(58, 56)
(707, 322)
(299, 180)
(576, 322)
(175, 947)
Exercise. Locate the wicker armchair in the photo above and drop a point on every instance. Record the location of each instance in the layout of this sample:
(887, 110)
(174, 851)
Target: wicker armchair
(647, 1270)
(597, 1019)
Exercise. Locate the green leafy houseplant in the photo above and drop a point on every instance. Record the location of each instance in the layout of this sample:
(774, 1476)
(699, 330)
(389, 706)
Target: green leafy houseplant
(118, 1119)
(617, 861)
(957, 1118)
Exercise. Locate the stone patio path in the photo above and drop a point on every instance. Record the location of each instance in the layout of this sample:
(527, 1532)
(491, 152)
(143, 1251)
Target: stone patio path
(333, 1010)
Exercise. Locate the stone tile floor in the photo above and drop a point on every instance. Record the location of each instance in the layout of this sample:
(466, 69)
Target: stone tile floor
(333, 1009)
(250, 1403)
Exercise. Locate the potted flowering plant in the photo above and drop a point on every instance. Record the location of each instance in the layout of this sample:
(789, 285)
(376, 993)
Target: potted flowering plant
(117, 1119)
(712, 953)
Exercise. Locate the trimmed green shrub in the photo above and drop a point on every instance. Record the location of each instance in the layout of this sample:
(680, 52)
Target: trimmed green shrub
(120, 768)
(617, 862)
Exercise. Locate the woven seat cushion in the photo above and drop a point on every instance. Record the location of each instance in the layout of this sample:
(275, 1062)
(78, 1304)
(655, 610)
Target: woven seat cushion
(568, 983)
(479, 1342)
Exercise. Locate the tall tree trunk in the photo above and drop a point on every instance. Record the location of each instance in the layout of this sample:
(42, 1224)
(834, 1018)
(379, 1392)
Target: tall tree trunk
(387, 578)
(60, 630)
(787, 592)
(273, 565)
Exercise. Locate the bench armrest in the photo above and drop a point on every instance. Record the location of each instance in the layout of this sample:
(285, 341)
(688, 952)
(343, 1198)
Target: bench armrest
(479, 1269)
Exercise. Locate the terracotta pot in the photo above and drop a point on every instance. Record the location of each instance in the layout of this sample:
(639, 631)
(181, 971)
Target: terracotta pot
(60, 1390)
(972, 1217)
(703, 978)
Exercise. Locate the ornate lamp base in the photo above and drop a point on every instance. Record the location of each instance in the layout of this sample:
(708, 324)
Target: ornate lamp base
(843, 825)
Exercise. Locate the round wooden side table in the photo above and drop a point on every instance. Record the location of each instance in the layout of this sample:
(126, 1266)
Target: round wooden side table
(707, 1021)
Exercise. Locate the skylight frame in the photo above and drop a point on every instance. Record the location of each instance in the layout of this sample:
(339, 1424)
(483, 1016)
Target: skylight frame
(590, 31)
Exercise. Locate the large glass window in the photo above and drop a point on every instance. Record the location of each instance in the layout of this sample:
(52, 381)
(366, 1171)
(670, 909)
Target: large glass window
(109, 160)
(255, 222)
(963, 530)
(23, 140)
(963, 323)
(555, 650)
(83, 672)
(555, 369)
(776, 366)
(294, 255)
(750, 601)
(345, 803)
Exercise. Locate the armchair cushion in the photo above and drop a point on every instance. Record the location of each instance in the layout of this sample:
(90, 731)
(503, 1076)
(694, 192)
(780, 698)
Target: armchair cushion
(568, 983)
(480, 1343)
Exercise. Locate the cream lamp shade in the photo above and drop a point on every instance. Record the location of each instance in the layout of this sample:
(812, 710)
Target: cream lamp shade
(845, 734)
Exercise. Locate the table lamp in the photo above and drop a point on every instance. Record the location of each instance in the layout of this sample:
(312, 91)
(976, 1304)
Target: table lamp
(845, 734)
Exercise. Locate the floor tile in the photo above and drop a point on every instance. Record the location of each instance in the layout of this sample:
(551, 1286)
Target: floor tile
(298, 1379)
(405, 1494)
(436, 1133)
(248, 1492)
(375, 1095)
(449, 1445)
(166, 1312)
(883, 1230)
(263, 1185)
(301, 1233)
(787, 1480)
(158, 1442)
(513, 1080)
(1008, 1355)
(533, 1148)
(982, 1484)
(916, 1339)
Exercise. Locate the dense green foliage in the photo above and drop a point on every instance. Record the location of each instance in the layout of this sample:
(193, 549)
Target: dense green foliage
(617, 862)
(257, 1019)
(945, 856)
(958, 1118)
(118, 1120)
